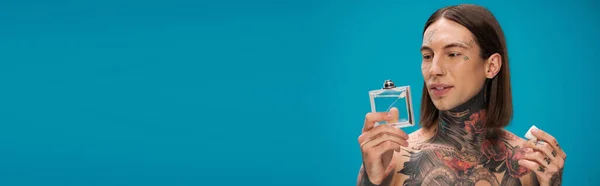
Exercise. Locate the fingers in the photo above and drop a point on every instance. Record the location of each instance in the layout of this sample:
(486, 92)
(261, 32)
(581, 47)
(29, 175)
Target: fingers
(382, 134)
(545, 167)
(541, 159)
(395, 114)
(538, 157)
(375, 132)
(376, 154)
(373, 117)
(541, 146)
(379, 143)
(383, 148)
(383, 138)
(541, 171)
(548, 152)
(540, 134)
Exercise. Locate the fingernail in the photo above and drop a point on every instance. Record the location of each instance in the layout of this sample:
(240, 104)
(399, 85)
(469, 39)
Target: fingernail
(520, 162)
(535, 130)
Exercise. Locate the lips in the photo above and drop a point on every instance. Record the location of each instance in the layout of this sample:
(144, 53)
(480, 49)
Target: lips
(440, 90)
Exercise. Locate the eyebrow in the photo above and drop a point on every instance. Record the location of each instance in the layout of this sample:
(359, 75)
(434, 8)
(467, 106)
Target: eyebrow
(451, 45)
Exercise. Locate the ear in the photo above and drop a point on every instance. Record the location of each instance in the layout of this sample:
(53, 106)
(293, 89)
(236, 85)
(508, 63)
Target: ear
(493, 65)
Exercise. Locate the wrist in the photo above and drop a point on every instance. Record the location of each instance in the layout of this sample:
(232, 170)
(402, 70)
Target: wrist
(365, 181)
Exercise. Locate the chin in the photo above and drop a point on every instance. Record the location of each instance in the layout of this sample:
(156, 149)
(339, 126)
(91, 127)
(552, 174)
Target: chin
(442, 108)
(441, 104)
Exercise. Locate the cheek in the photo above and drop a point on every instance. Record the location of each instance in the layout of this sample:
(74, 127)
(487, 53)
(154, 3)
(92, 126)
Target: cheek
(425, 69)
(470, 75)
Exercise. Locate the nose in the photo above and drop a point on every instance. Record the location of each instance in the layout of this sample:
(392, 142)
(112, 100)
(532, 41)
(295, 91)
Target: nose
(436, 68)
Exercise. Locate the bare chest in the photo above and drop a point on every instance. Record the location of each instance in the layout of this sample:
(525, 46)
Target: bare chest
(443, 165)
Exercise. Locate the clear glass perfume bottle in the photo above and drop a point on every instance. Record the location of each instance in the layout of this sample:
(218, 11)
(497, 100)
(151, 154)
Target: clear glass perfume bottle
(397, 101)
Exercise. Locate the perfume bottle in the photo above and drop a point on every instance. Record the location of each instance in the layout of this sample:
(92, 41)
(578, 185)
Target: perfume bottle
(395, 100)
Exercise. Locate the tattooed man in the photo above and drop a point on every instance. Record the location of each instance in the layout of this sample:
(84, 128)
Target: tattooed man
(466, 105)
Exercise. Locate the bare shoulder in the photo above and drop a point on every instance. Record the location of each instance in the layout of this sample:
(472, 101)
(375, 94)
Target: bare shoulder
(416, 140)
(419, 138)
(511, 138)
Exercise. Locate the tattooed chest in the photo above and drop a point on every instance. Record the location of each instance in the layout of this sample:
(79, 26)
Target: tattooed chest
(444, 167)
(439, 166)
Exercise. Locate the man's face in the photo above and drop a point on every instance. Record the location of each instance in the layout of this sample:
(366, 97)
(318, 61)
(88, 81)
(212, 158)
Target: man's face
(451, 65)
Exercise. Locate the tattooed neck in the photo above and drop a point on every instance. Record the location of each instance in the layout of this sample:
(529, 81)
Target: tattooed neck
(464, 126)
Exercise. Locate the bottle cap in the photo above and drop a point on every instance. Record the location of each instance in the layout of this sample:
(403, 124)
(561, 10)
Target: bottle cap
(388, 84)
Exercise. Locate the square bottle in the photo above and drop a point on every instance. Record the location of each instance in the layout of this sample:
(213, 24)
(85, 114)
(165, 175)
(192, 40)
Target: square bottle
(397, 101)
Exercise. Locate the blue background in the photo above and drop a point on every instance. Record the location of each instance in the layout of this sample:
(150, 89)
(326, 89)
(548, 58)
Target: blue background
(253, 92)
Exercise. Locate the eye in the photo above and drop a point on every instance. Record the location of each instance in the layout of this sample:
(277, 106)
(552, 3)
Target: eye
(427, 57)
(453, 54)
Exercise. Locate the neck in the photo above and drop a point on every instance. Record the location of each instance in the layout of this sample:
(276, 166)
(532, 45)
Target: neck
(464, 127)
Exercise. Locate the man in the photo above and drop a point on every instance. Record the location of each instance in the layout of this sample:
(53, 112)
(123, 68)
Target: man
(466, 104)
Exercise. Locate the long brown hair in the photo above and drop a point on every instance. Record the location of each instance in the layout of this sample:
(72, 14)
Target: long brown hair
(489, 36)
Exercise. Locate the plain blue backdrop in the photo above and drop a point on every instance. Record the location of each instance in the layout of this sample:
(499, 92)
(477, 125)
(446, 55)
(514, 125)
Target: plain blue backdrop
(254, 92)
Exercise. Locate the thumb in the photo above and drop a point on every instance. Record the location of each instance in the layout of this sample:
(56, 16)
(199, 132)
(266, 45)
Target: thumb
(395, 115)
